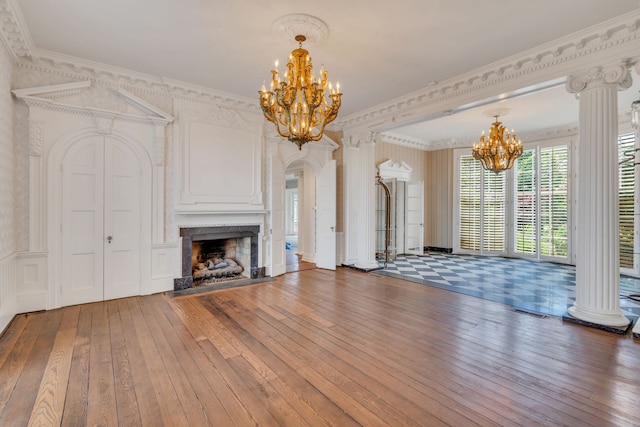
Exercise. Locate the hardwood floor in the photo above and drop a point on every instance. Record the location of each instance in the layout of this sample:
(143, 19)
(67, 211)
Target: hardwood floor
(295, 263)
(315, 348)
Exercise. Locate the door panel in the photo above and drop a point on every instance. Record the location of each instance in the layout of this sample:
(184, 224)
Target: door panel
(121, 221)
(82, 213)
(278, 256)
(326, 217)
(415, 218)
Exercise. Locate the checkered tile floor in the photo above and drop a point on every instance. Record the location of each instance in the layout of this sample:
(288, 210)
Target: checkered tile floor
(535, 286)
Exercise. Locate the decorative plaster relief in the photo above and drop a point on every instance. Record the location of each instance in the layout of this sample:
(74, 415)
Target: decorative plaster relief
(362, 137)
(158, 146)
(36, 138)
(103, 98)
(400, 171)
(13, 30)
(102, 104)
(614, 74)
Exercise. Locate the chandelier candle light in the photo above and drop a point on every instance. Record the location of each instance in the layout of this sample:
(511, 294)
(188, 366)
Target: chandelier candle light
(498, 151)
(298, 105)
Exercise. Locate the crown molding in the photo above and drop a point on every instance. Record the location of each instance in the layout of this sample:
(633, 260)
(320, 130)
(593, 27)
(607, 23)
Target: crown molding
(617, 39)
(76, 68)
(14, 33)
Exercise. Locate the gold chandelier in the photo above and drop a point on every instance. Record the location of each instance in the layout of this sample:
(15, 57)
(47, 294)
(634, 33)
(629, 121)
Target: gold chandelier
(498, 151)
(298, 105)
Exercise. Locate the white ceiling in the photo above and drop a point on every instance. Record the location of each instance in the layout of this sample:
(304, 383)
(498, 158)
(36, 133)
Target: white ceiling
(376, 50)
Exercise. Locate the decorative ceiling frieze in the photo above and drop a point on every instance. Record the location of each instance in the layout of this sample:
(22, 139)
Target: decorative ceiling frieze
(617, 38)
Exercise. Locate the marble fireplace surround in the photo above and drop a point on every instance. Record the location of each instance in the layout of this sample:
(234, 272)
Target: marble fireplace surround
(191, 234)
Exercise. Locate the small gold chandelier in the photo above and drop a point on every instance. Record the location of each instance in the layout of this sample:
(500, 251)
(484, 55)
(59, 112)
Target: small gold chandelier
(297, 105)
(498, 151)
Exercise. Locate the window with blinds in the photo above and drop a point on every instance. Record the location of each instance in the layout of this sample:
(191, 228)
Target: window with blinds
(482, 204)
(469, 210)
(626, 192)
(493, 211)
(526, 223)
(554, 201)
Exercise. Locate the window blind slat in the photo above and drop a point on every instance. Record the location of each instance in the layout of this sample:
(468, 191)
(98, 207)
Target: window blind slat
(526, 224)
(470, 180)
(554, 202)
(626, 191)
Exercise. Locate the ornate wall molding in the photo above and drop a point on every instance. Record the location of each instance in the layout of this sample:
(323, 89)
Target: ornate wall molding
(112, 106)
(354, 139)
(13, 31)
(72, 68)
(36, 137)
(158, 146)
(399, 170)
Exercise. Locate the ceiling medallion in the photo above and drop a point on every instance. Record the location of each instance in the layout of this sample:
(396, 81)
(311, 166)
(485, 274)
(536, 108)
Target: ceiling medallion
(287, 27)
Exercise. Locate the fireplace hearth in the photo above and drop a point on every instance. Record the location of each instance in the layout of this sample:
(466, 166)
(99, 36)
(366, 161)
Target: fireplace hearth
(218, 253)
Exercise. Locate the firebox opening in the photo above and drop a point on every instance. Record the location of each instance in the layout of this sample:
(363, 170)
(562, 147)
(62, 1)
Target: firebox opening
(239, 243)
(220, 260)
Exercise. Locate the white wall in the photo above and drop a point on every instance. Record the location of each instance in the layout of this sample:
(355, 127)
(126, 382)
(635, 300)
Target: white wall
(8, 194)
(204, 167)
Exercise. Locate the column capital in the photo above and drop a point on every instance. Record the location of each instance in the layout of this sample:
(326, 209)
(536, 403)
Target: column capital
(617, 74)
(355, 139)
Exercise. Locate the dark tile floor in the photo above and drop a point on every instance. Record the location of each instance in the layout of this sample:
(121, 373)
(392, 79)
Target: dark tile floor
(534, 286)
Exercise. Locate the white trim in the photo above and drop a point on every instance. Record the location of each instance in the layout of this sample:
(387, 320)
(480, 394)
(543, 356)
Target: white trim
(389, 170)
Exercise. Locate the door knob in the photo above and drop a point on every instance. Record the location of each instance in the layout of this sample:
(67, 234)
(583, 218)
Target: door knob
(109, 238)
(332, 228)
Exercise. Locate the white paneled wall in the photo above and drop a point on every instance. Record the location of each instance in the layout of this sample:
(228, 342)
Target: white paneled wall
(7, 195)
(7, 291)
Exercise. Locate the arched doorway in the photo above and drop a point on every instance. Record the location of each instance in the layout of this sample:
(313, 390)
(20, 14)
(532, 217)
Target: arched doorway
(316, 216)
(100, 183)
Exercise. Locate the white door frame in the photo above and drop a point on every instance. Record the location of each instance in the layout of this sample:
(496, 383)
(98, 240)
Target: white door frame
(304, 156)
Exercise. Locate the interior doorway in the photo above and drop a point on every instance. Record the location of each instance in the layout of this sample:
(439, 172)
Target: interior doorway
(316, 211)
(298, 222)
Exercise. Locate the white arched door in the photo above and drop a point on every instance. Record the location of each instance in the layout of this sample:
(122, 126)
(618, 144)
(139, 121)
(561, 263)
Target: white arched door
(101, 221)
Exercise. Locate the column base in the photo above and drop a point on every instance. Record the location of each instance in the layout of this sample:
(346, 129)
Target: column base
(367, 266)
(636, 330)
(613, 321)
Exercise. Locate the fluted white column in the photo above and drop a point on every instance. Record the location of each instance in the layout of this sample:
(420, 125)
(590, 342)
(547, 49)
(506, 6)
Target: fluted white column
(366, 206)
(597, 264)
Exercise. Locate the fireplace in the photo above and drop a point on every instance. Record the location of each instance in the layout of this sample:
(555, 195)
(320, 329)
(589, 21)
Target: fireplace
(211, 254)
